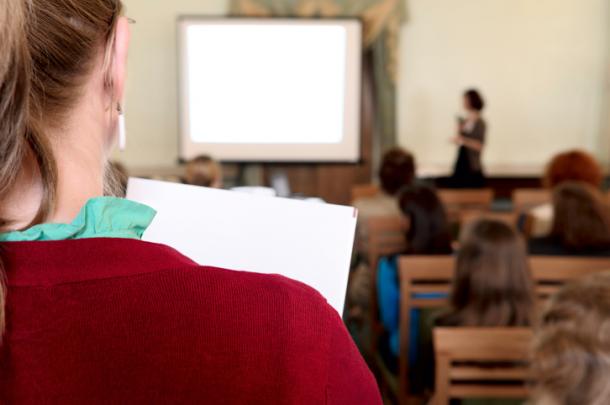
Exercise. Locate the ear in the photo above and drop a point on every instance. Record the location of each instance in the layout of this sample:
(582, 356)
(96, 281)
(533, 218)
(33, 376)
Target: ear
(119, 59)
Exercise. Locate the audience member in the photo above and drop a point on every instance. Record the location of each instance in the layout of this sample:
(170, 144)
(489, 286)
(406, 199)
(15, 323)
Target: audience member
(574, 165)
(429, 234)
(397, 171)
(203, 171)
(493, 284)
(581, 223)
(571, 357)
(89, 313)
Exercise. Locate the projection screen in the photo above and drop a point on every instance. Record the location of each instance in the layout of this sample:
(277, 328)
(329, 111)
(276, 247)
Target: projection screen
(270, 89)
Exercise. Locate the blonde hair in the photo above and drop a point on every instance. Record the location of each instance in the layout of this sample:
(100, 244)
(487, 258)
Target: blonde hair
(571, 359)
(48, 47)
(203, 171)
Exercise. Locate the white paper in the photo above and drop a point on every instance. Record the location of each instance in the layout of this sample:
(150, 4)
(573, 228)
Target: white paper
(304, 241)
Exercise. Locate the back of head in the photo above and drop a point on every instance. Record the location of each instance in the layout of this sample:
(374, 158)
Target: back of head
(571, 359)
(581, 218)
(492, 284)
(397, 170)
(429, 231)
(574, 165)
(204, 171)
(474, 100)
(48, 48)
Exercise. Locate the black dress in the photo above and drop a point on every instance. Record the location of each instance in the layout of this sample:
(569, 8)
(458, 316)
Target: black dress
(468, 170)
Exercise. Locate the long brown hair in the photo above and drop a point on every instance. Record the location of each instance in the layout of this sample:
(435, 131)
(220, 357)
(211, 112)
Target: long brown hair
(571, 356)
(48, 47)
(581, 219)
(492, 284)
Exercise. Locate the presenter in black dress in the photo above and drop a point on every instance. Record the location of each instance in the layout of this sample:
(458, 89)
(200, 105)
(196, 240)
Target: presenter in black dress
(470, 137)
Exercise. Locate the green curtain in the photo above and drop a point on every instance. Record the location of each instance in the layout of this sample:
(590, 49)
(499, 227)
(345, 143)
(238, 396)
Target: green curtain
(382, 22)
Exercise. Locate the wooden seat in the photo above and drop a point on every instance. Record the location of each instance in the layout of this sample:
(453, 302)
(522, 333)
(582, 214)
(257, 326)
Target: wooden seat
(524, 199)
(433, 275)
(457, 201)
(481, 363)
(360, 191)
(384, 236)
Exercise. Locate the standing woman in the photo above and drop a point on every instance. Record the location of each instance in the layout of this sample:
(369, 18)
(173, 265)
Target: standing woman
(471, 129)
(90, 314)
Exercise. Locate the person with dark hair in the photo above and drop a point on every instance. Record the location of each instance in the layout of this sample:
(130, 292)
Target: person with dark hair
(581, 223)
(397, 170)
(471, 131)
(428, 234)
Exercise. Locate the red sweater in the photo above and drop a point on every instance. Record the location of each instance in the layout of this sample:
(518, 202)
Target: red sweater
(121, 321)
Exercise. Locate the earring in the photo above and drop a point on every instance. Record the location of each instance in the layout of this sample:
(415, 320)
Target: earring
(121, 128)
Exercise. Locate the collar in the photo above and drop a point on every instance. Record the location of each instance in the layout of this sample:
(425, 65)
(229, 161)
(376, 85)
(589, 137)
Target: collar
(102, 217)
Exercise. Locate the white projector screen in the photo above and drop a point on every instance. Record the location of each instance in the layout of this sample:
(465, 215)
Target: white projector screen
(256, 90)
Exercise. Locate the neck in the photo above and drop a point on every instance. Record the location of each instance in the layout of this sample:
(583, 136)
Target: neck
(79, 151)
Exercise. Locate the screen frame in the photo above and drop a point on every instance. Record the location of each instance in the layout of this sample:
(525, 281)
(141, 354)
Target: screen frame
(349, 151)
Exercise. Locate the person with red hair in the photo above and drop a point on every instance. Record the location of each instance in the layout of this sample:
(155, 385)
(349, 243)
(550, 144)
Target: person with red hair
(572, 165)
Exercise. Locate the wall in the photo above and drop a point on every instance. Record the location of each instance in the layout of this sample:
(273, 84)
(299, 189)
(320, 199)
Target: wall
(542, 65)
(151, 104)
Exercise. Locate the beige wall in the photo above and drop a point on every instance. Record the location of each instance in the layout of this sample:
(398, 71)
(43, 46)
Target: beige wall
(151, 105)
(542, 65)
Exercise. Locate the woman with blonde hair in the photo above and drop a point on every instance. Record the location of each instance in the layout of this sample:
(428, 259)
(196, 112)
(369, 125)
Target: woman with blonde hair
(571, 359)
(203, 171)
(88, 312)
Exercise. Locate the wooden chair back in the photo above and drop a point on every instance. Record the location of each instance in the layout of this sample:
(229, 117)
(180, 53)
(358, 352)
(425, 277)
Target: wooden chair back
(473, 199)
(433, 276)
(364, 191)
(384, 236)
(525, 199)
(481, 363)
(551, 272)
(425, 282)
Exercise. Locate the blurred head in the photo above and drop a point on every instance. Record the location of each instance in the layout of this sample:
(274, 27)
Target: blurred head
(492, 284)
(204, 171)
(473, 101)
(571, 357)
(429, 231)
(573, 165)
(397, 170)
(581, 217)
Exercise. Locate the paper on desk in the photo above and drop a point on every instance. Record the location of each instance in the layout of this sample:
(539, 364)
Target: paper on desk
(305, 241)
